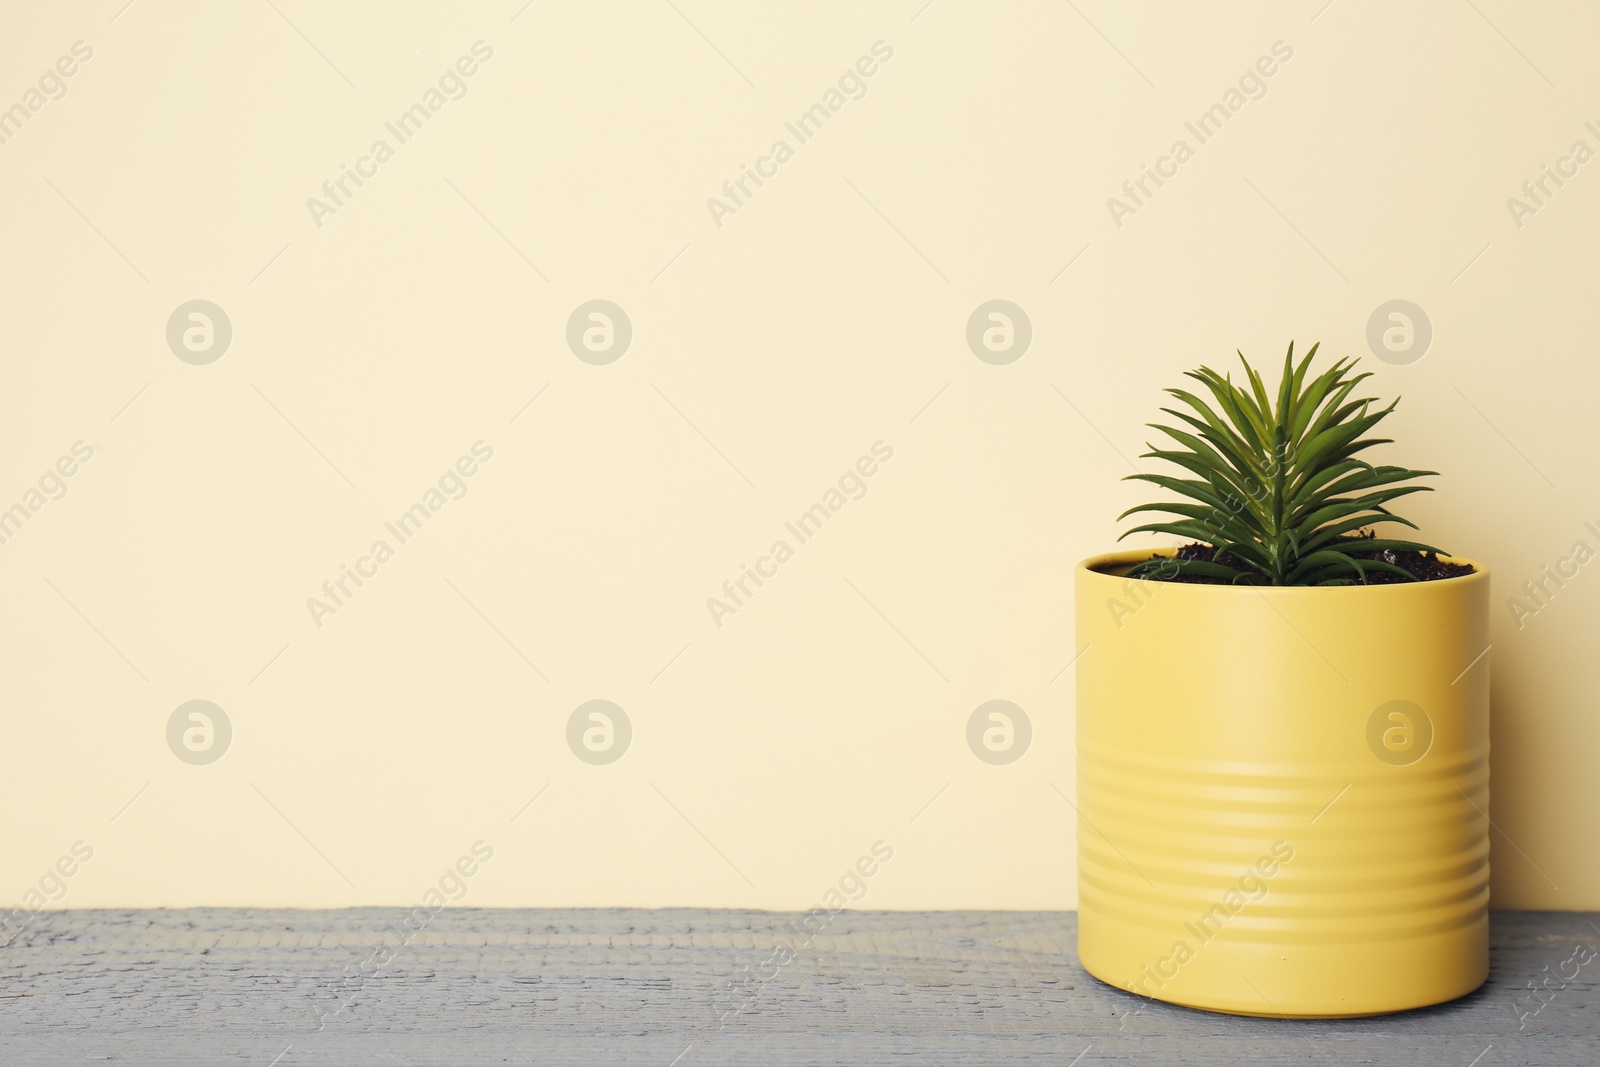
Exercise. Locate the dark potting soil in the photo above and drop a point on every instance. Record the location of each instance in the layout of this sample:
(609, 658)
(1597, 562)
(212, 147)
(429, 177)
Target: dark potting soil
(1424, 566)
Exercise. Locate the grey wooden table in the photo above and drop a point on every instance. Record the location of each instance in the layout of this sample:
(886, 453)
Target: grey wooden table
(291, 988)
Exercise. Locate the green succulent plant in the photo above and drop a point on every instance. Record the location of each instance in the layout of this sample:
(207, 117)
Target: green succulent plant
(1279, 493)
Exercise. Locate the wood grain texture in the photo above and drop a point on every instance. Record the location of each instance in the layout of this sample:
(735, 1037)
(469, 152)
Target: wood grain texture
(215, 986)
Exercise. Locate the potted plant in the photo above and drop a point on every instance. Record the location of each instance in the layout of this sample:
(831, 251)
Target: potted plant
(1282, 724)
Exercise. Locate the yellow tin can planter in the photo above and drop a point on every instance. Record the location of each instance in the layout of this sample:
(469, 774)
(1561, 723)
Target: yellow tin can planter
(1283, 791)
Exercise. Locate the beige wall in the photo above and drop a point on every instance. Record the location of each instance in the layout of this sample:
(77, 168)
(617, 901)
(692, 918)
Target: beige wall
(772, 347)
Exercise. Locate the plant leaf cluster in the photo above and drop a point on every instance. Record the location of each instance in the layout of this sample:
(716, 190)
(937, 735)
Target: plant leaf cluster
(1275, 484)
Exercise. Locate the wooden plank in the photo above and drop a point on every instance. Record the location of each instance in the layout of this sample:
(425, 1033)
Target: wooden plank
(212, 986)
